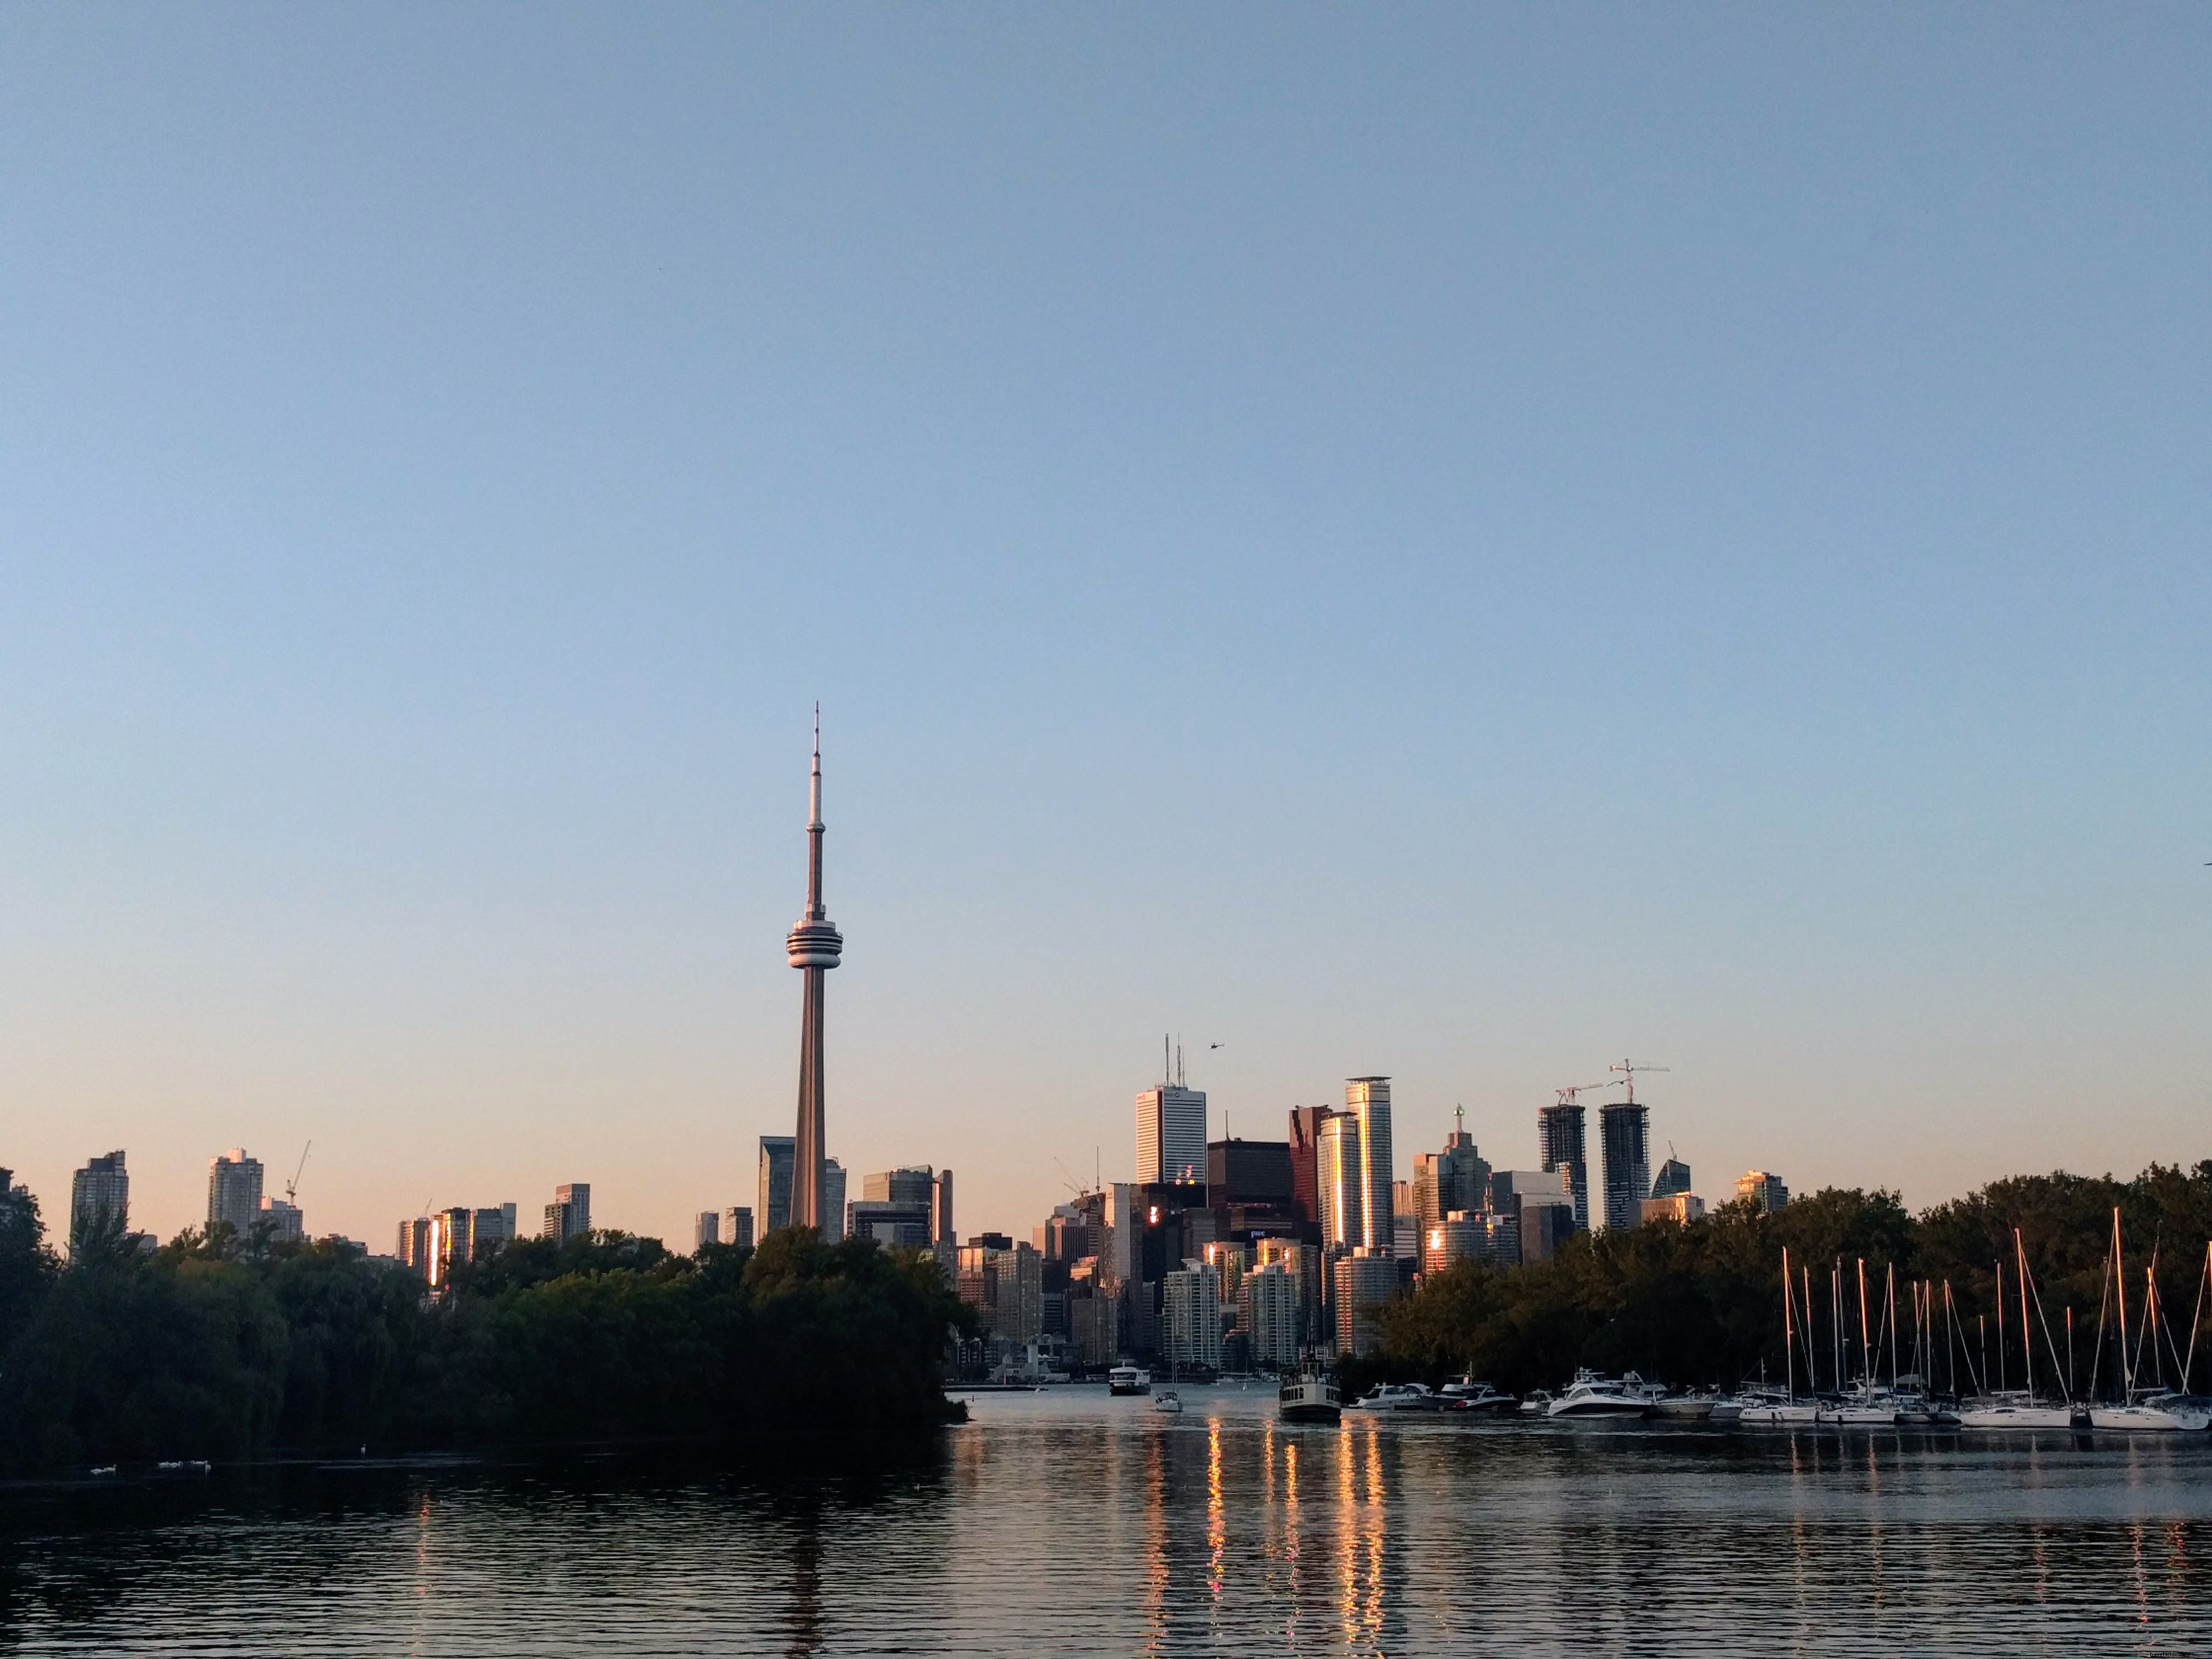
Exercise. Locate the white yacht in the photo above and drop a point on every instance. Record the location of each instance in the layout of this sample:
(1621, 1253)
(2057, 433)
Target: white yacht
(2191, 1411)
(1396, 1397)
(2015, 1410)
(1469, 1395)
(1309, 1397)
(1168, 1402)
(1128, 1379)
(2140, 1416)
(1538, 1404)
(1777, 1408)
(1592, 1395)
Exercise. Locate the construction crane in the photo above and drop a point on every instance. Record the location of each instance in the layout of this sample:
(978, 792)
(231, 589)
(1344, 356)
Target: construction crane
(1629, 1068)
(1567, 1097)
(292, 1186)
(1070, 1183)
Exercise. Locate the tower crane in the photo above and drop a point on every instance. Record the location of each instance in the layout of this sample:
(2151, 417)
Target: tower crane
(1567, 1097)
(1629, 1068)
(292, 1186)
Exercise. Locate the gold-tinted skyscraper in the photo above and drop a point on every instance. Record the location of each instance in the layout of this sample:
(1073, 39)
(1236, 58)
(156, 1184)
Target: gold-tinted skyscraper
(814, 946)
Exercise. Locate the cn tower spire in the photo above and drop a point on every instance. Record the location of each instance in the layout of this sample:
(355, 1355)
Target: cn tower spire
(814, 946)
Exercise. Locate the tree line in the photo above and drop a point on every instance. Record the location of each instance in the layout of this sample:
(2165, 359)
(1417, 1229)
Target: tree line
(217, 1347)
(1701, 1302)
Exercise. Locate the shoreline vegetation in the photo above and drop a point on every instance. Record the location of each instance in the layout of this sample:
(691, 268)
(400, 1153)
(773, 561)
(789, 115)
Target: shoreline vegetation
(1700, 1302)
(217, 1347)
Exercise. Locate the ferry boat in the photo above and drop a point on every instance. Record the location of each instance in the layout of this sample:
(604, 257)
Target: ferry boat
(1309, 1397)
(1128, 1379)
(1592, 1395)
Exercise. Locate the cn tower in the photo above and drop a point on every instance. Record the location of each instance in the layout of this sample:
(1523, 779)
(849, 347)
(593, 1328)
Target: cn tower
(814, 946)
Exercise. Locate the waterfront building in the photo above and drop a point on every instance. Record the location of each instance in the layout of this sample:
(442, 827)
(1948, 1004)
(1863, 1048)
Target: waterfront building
(776, 1152)
(1560, 1140)
(234, 1191)
(1625, 1132)
(1674, 1178)
(1191, 1317)
(1271, 1313)
(1368, 1100)
(814, 946)
(1764, 1190)
(99, 1197)
(1365, 1279)
(283, 1220)
(1340, 1191)
(1305, 1153)
(832, 1222)
(1171, 1136)
(1682, 1208)
(738, 1225)
(569, 1214)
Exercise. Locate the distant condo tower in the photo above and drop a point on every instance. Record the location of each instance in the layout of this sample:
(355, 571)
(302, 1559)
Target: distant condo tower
(814, 946)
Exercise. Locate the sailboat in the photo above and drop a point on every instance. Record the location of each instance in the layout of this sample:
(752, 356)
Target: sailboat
(1762, 1408)
(2191, 1411)
(1871, 1408)
(2129, 1413)
(2022, 1410)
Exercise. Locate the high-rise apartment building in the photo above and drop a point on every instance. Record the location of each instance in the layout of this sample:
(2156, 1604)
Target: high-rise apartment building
(1191, 1317)
(1171, 1136)
(234, 1191)
(1624, 1129)
(831, 1225)
(1271, 1312)
(1763, 1189)
(569, 1214)
(1340, 1188)
(283, 1219)
(738, 1225)
(706, 1228)
(99, 1198)
(776, 1157)
(1674, 1178)
(1367, 1101)
(413, 1248)
(1560, 1135)
(1364, 1281)
(1004, 1282)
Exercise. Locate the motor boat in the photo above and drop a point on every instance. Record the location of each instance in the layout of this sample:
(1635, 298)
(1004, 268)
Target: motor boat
(1683, 1407)
(1309, 1397)
(1727, 1409)
(1167, 1403)
(1590, 1395)
(1469, 1395)
(1397, 1397)
(1538, 1404)
(1128, 1379)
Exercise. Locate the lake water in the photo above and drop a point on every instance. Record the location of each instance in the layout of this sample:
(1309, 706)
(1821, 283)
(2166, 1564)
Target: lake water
(1069, 1523)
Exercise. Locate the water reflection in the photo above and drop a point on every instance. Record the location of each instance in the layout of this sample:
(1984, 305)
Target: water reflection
(1075, 1525)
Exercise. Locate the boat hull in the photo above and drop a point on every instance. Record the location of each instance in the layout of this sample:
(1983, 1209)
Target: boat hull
(1683, 1410)
(2134, 1420)
(2016, 1417)
(1860, 1417)
(1311, 1412)
(1779, 1417)
(1594, 1410)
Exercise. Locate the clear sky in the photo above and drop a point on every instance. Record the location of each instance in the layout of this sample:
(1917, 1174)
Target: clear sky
(1455, 542)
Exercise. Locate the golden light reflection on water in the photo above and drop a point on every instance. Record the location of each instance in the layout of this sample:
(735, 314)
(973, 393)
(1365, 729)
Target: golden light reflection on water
(1217, 1524)
(1156, 1544)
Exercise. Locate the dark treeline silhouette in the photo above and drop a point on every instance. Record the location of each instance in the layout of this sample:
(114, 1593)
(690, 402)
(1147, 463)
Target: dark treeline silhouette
(216, 1346)
(1702, 1302)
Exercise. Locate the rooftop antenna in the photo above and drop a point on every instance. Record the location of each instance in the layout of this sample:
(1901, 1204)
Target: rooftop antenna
(1167, 1061)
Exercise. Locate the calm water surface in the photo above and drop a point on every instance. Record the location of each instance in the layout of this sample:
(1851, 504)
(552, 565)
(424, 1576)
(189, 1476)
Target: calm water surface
(1070, 1524)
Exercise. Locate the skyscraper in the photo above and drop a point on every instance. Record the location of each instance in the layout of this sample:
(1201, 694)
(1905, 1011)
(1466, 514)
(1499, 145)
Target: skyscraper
(814, 947)
(832, 1225)
(1763, 1189)
(775, 1158)
(1339, 1194)
(1367, 1099)
(1674, 1178)
(1560, 1130)
(1305, 1143)
(738, 1225)
(1625, 1129)
(234, 1191)
(569, 1214)
(1171, 1136)
(945, 1236)
(99, 1198)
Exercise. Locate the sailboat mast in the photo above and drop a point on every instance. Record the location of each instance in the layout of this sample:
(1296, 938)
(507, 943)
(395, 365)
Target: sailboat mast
(1866, 1350)
(1789, 1347)
(1889, 1313)
(2188, 1365)
(2120, 1279)
(2026, 1341)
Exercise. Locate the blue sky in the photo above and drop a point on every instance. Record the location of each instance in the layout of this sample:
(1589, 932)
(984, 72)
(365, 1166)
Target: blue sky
(1457, 543)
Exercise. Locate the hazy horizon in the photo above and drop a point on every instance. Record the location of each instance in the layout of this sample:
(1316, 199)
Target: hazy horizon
(1460, 545)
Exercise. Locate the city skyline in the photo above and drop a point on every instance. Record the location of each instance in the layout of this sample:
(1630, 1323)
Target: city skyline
(1461, 547)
